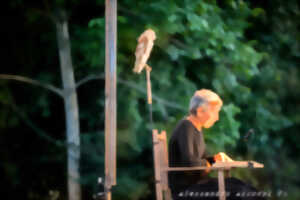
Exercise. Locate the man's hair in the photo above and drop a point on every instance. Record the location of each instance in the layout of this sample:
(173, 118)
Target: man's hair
(195, 103)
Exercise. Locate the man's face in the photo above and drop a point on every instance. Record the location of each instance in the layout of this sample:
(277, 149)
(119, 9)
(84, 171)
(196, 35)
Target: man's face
(212, 112)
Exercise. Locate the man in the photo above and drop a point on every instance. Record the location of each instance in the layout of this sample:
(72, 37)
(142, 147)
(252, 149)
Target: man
(187, 149)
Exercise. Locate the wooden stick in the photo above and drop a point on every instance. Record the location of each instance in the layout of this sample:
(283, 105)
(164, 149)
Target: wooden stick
(157, 165)
(108, 194)
(221, 183)
(240, 164)
(219, 165)
(149, 93)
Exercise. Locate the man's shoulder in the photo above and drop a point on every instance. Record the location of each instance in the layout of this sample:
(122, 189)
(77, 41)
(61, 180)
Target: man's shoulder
(182, 125)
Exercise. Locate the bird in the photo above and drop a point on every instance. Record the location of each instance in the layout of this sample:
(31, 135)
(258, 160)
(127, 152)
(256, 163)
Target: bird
(143, 49)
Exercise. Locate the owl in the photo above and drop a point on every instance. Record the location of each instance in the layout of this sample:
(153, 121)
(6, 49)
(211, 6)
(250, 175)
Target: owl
(143, 49)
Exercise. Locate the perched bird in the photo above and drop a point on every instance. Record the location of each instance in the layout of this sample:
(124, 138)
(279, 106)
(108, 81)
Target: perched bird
(143, 49)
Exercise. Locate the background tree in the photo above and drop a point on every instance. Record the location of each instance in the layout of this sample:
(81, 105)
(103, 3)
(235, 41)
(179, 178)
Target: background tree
(69, 95)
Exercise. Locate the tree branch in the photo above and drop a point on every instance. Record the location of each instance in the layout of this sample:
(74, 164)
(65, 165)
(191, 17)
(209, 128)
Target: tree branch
(89, 78)
(33, 82)
(30, 124)
(155, 97)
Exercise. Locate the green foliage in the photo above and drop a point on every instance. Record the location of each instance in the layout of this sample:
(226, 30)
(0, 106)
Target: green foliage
(246, 51)
(226, 132)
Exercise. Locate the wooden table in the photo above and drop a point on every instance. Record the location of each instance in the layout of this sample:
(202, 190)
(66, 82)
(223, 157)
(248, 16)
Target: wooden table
(222, 166)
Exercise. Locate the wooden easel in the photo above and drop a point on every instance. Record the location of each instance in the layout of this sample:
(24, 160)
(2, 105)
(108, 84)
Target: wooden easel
(161, 168)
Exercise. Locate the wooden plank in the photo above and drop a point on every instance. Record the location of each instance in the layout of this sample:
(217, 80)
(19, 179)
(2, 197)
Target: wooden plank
(190, 168)
(163, 153)
(110, 92)
(157, 165)
(168, 194)
(221, 184)
(164, 143)
(219, 165)
(240, 164)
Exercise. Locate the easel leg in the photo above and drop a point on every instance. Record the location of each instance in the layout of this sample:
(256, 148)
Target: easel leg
(107, 193)
(222, 194)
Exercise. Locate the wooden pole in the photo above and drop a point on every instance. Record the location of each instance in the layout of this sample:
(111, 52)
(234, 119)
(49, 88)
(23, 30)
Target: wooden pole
(110, 94)
(149, 93)
(221, 183)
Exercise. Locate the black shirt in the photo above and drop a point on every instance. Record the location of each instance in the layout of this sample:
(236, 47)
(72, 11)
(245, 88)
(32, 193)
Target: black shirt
(186, 149)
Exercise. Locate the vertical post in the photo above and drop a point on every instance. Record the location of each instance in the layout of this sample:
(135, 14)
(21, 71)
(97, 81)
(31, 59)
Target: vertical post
(221, 183)
(110, 94)
(149, 93)
(157, 165)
